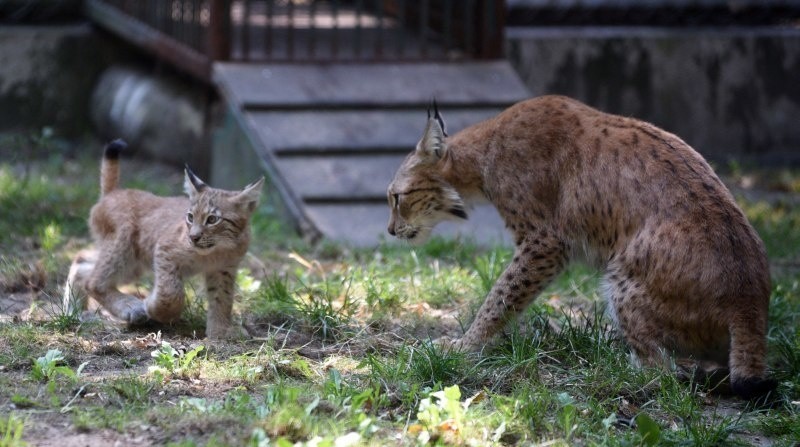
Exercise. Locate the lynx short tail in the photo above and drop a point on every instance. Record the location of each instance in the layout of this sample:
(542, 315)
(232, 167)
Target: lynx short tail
(109, 168)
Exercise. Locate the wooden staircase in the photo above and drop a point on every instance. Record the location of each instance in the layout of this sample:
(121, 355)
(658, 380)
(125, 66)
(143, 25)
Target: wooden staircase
(331, 136)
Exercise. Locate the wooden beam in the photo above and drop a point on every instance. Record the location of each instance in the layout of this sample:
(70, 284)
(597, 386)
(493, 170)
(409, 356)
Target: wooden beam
(155, 42)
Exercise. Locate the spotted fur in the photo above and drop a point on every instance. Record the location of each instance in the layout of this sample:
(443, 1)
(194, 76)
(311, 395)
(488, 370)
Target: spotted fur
(685, 274)
(176, 237)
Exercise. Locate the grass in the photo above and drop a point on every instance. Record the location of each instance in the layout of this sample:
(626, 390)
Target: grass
(343, 351)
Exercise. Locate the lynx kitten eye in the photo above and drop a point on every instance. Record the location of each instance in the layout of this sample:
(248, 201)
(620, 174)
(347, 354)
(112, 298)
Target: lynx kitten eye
(212, 219)
(396, 198)
(189, 217)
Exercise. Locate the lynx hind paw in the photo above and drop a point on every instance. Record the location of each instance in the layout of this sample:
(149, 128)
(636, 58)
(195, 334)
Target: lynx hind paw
(753, 388)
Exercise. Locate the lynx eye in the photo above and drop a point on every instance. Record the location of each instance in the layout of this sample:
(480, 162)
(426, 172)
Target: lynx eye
(212, 219)
(189, 217)
(396, 198)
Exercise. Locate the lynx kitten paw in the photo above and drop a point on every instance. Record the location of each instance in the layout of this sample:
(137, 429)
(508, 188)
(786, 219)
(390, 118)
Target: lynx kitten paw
(136, 315)
(230, 333)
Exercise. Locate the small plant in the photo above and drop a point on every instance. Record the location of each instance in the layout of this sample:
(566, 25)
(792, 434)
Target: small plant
(648, 429)
(443, 416)
(11, 431)
(133, 390)
(171, 362)
(51, 365)
(381, 294)
(194, 312)
(567, 414)
(62, 317)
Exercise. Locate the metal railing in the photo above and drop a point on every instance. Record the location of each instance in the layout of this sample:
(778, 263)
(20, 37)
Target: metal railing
(192, 33)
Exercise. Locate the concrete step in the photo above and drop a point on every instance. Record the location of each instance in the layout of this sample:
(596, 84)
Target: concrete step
(315, 86)
(300, 132)
(357, 178)
(364, 225)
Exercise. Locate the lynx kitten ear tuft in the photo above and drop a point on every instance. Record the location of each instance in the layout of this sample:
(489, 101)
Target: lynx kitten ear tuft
(432, 145)
(250, 195)
(192, 183)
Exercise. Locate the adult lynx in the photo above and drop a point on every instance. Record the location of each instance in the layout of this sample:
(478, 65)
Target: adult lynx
(684, 272)
(176, 237)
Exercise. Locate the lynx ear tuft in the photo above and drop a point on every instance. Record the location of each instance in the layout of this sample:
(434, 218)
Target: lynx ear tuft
(192, 183)
(438, 117)
(432, 146)
(250, 195)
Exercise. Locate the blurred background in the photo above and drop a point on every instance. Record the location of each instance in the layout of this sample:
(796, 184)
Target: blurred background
(326, 97)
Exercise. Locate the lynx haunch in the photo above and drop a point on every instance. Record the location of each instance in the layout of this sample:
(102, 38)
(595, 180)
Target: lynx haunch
(684, 272)
(176, 237)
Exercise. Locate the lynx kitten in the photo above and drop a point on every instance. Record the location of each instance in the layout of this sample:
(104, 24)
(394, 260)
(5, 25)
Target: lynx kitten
(684, 272)
(176, 237)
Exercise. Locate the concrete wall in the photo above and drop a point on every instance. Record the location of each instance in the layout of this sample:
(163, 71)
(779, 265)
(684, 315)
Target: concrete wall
(729, 93)
(160, 116)
(78, 80)
(47, 74)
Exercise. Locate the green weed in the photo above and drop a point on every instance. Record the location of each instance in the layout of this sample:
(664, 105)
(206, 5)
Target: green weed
(648, 429)
(326, 309)
(132, 390)
(489, 267)
(51, 365)
(11, 430)
(382, 293)
(36, 205)
(520, 353)
(193, 316)
(63, 318)
(778, 225)
(170, 362)
(783, 425)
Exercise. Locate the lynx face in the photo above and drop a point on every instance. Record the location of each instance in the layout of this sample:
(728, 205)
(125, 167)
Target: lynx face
(419, 203)
(419, 198)
(215, 218)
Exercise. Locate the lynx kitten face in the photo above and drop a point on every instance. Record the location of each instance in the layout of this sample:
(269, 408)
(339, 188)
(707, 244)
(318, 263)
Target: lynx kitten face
(684, 273)
(134, 231)
(215, 218)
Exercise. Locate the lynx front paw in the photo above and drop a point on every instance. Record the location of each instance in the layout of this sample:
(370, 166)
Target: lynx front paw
(456, 344)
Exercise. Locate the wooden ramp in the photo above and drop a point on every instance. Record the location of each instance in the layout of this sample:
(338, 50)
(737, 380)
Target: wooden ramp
(331, 136)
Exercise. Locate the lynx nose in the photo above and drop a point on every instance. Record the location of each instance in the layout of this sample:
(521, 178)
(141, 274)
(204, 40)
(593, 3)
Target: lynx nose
(391, 230)
(195, 238)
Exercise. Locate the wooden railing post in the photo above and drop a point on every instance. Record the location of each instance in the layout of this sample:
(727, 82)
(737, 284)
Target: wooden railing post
(491, 29)
(219, 30)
